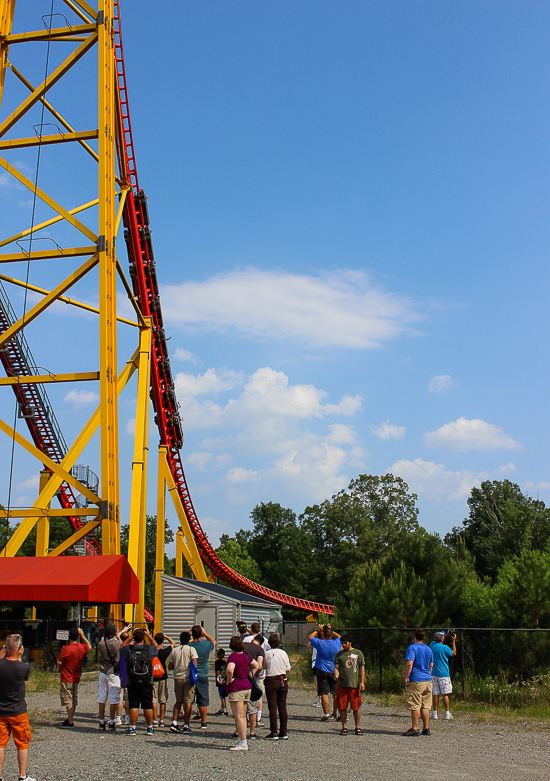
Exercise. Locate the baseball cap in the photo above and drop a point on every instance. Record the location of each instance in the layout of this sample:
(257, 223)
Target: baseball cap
(439, 635)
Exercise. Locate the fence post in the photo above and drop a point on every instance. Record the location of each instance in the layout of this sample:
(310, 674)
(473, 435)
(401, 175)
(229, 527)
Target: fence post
(380, 656)
(48, 644)
(462, 661)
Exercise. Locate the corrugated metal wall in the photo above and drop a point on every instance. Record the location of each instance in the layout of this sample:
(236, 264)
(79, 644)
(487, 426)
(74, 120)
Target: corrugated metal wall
(250, 613)
(178, 608)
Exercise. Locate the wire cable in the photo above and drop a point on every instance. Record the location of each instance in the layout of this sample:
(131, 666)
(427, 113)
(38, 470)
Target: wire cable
(43, 102)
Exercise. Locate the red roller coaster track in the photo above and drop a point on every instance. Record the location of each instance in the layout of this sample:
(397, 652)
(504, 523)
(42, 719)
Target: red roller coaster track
(163, 395)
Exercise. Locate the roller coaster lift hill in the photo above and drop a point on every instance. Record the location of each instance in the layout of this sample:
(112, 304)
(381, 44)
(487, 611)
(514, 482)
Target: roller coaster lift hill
(117, 203)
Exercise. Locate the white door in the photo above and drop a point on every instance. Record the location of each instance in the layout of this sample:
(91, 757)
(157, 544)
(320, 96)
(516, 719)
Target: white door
(207, 618)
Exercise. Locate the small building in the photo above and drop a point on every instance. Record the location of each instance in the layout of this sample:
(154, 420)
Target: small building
(216, 607)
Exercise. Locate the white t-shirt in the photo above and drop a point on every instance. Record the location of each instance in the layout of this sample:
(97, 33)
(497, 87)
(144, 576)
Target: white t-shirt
(276, 662)
(250, 638)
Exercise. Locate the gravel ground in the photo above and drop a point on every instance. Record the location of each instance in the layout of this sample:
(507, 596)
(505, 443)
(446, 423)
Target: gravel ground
(461, 749)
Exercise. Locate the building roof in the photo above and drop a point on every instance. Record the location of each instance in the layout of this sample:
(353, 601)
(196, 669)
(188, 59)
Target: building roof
(88, 579)
(225, 591)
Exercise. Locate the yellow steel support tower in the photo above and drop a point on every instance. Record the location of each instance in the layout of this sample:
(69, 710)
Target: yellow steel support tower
(90, 29)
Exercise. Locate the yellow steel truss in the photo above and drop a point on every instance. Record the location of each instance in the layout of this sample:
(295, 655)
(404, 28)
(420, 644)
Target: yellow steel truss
(93, 29)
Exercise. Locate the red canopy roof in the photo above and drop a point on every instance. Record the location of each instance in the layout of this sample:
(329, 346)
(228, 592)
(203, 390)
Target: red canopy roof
(88, 579)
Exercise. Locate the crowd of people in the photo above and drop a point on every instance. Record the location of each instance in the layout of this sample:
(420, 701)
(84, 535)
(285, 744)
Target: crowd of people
(135, 666)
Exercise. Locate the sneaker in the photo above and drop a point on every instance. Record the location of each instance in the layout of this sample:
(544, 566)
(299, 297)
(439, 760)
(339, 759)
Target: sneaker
(325, 718)
(226, 713)
(112, 726)
(433, 715)
(411, 733)
(155, 723)
(102, 726)
(177, 728)
(150, 730)
(272, 736)
(283, 736)
(259, 723)
(129, 731)
(26, 777)
(239, 747)
(333, 717)
(161, 724)
(118, 722)
(127, 719)
(317, 704)
(204, 725)
(449, 716)
(67, 723)
(186, 728)
(219, 712)
(252, 736)
(234, 734)
(426, 731)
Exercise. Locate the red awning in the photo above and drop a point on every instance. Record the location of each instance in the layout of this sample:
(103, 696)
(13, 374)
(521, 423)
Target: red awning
(88, 579)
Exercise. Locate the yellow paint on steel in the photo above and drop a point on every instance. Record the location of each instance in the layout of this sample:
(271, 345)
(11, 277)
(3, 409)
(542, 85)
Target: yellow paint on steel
(25, 527)
(52, 111)
(130, 294)
(65, 476)
(78, 535)
(47, 254)
(64, 299)
(78, 12)
(47, 224)
(46, 35)
(50, 201)
(52, 79)
(48, 300)
(161, 522)
(43, 524)
(56, 138)
(26, 379)
(37, 512)
(136, 536)
(7, 8)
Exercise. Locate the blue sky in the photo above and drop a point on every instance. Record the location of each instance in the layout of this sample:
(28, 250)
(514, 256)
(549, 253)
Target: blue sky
(349, 204)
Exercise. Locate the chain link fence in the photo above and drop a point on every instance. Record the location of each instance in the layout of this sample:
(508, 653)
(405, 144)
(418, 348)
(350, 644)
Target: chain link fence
(508, 667)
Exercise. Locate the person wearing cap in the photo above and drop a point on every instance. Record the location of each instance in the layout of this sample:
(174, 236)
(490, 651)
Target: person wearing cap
(242, 629)
(441, 680)
(70, 661)
(109, 681)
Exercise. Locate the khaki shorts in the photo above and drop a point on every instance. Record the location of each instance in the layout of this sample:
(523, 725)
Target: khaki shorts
(183, 690)
(160, 692)
(69, 694)
(242, 696)
(419, 695)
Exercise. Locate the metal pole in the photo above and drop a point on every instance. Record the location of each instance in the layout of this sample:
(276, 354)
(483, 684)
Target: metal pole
(380, 656)
(462, 661)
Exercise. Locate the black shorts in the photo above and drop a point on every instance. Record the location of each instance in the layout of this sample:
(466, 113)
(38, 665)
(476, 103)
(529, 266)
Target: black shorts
(140, 695)
(202, 697)
(326, 683)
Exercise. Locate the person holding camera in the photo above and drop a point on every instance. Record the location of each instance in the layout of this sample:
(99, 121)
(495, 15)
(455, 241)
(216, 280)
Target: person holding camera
(441, 680)
(327, 643)
(109, 676)
(14, 719)
(70, 661)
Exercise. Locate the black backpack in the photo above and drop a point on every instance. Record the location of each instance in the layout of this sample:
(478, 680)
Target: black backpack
(139, 669)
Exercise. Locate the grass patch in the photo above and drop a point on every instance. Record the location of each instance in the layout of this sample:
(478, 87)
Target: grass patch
(42, 681)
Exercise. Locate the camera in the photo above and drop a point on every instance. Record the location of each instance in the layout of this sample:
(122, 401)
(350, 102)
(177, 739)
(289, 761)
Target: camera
(451, 632)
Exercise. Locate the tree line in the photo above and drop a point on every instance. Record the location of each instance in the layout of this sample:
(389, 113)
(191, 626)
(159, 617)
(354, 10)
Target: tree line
(365, 552)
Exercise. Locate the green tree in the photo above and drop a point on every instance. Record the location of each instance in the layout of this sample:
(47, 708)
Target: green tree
(417, 582)
(60, 530)
(502, 523)
(355, 526)
(235, 556)
(522, 591)
(150, 555)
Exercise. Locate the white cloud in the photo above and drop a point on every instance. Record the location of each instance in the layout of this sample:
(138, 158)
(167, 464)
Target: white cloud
(387, 430)
(82, 398)
(239, 475)
(212, 381)
(341, 434)
(203, 459)
(440, 383)
(31, 483)
(180, 354)
(543, 485)
(343, 309)
(426, 478)
(463, 435)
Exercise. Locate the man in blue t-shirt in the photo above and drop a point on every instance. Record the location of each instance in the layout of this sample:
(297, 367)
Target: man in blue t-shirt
(441, 676)
(418, 680)
(327, 643)
(203, 645)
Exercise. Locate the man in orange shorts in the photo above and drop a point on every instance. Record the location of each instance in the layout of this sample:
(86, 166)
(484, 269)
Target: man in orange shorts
(14, 719)
(349, 673)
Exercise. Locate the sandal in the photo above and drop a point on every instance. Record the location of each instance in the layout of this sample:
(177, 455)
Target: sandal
(344, 731)
(358, 731)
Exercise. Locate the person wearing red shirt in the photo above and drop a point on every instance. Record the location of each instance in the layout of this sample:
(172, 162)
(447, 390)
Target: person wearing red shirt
(70, 660)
